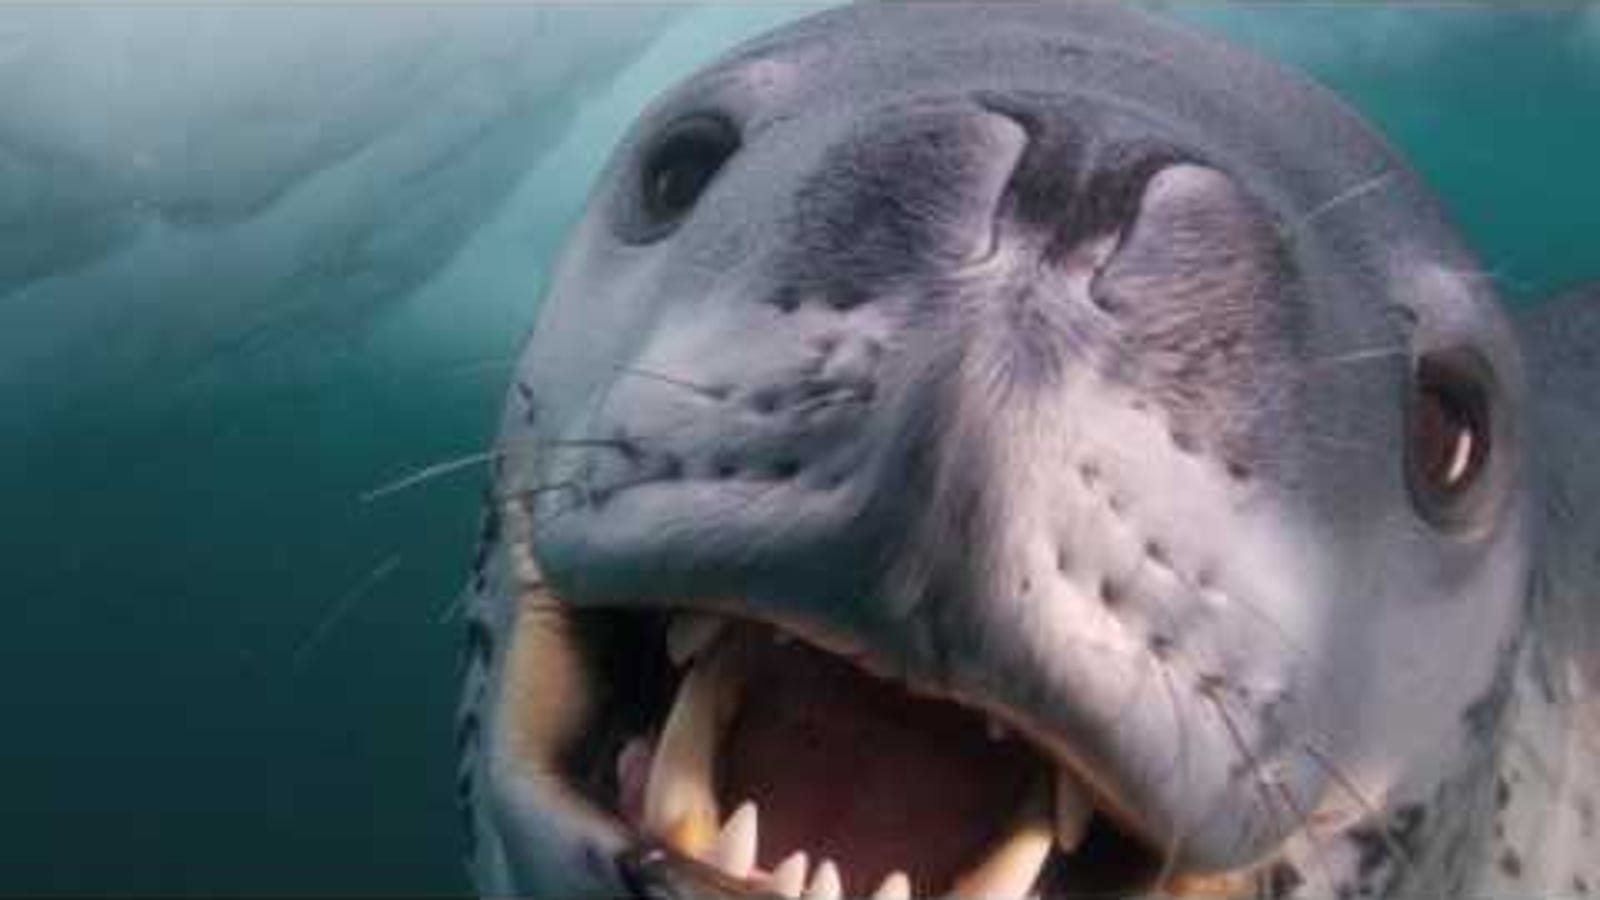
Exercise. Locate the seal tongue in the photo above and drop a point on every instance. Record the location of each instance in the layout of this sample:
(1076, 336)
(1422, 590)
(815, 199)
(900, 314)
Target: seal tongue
(853, 768)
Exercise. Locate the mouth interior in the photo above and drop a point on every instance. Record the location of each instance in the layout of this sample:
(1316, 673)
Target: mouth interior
(742, 746)
(855, 769)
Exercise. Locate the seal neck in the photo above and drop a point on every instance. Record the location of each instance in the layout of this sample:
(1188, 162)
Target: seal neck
(1515, 817)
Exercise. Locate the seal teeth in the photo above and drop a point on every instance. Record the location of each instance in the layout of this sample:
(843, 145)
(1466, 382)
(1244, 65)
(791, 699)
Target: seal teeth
(679, 802)
(825, 884)
(690, 634)
(735, 851)
(789, 878)
(895, 887)
(1073, 810)
(1014, 862)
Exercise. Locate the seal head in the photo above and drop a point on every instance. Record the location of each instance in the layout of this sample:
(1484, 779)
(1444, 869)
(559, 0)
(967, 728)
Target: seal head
(1040, 370)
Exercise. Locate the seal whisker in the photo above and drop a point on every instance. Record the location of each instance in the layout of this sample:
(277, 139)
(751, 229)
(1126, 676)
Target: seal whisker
(1344, 443)
(1310, 370)
(1353, 193)
(485, 365)
(673, 380)
(1268, 787)
(1169, 858)
(340, 609)
(1212, 693)
(1310, 832)
(442, 468)
(1370, 809)
(1494, 276)
(455, 608)
(1154, 660)
(1263, 793)
(431, 472)
(1358, 356)
(1172, 851)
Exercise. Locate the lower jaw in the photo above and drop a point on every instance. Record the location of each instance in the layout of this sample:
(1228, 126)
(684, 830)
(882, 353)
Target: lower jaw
(649, 746)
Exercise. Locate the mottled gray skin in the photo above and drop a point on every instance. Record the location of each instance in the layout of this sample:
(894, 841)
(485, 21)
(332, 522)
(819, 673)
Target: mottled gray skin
(1060, 358)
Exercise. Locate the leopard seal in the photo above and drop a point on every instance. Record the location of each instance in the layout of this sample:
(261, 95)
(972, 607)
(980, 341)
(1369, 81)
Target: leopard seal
(1028, 450)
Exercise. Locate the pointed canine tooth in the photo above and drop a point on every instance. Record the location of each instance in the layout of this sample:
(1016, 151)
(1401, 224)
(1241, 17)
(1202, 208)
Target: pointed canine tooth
(735, 852)
(679, 804)
(789, 878)
(825, 883)
(1073, 811)
(896, 887)
(1014, 862)
(690, 634)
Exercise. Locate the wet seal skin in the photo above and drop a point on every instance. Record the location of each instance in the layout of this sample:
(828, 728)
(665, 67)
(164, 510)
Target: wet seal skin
(1030, 450)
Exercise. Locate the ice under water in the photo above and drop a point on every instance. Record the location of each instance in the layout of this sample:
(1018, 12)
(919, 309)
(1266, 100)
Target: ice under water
(256, 262)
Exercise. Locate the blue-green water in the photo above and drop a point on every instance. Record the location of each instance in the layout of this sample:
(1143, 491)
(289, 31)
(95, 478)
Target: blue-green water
(255, 263)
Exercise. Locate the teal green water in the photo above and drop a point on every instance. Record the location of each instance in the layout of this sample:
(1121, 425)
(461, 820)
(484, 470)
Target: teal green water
(226, 673)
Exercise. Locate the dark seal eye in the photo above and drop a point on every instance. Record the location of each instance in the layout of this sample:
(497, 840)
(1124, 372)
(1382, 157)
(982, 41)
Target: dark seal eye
(1450, 436)
(682, 165)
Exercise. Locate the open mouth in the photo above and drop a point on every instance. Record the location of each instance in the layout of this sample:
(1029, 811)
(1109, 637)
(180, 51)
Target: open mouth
(762, 763)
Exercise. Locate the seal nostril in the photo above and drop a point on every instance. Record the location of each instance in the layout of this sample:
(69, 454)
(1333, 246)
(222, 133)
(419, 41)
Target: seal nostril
(1184, 441)
(1238, 471)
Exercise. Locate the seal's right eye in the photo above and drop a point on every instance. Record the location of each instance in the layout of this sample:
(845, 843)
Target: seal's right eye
(681, 165)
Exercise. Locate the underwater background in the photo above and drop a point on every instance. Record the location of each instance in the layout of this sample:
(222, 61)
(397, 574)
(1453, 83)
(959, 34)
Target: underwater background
(260, 264)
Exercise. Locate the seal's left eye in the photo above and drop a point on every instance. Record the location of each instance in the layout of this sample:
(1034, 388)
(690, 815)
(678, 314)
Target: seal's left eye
(682, 165)
(1449, 436)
